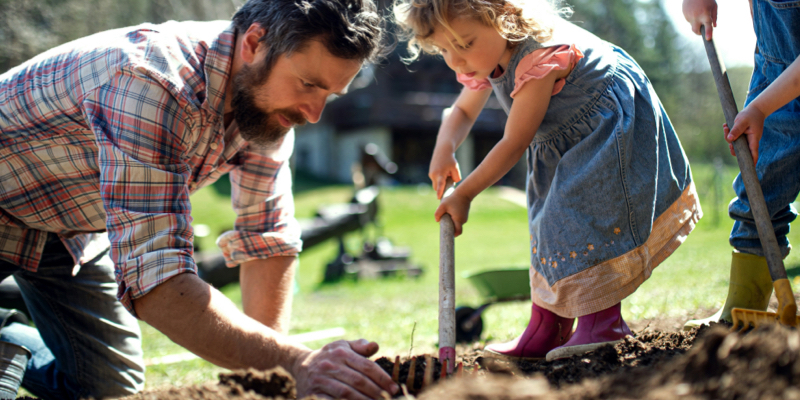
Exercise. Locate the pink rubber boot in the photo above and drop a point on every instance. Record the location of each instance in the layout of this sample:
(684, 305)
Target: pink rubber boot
(545, 332)
(593, 331)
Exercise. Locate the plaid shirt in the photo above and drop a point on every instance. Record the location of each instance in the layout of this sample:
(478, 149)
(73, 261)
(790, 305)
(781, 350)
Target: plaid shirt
(112, 133)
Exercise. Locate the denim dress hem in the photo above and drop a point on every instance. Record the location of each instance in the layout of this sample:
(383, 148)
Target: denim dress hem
(608, 283)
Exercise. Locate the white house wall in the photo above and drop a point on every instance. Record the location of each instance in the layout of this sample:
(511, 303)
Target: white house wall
(347, 147)
(312, 149)
(327, 154)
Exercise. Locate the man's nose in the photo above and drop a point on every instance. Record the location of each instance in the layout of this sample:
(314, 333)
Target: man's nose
(312, 110)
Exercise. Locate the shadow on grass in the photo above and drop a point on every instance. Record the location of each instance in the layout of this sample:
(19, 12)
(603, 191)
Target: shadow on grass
(793, 271)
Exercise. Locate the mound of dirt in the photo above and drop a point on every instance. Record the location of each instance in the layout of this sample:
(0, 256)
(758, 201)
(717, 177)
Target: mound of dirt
(239, 385)
(710, 363)
(764, 364)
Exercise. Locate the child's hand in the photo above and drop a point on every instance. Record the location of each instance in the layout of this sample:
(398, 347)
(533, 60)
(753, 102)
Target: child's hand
(443, 166)
(701, 13)
(749, 121)
(458, 207)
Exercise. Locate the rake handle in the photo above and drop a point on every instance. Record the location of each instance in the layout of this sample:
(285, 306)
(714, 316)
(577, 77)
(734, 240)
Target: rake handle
(748, 171)
(447, 290)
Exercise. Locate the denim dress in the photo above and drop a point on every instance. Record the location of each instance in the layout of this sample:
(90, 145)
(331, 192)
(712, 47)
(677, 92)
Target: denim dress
(777, 26)
(609, 190)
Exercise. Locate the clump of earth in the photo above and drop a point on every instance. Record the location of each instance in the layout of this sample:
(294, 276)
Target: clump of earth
(706, 363)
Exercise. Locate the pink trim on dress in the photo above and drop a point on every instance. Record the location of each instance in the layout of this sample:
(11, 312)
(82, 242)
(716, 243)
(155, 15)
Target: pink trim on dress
(543, 61)
(472, 83)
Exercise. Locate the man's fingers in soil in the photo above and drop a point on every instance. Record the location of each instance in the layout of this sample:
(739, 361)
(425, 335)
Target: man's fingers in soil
(373, 376)
(352, 383)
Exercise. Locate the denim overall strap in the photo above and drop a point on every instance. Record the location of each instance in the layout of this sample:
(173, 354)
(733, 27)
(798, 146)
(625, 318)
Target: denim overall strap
(777, 26)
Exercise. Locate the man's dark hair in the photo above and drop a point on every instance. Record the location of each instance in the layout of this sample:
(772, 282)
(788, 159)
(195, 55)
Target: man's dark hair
(349, 29)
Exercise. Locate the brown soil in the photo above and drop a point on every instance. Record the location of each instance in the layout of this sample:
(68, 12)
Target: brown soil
(711, 363)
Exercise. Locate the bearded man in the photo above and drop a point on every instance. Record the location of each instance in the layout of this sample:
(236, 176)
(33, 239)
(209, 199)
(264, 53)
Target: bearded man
(103, 139)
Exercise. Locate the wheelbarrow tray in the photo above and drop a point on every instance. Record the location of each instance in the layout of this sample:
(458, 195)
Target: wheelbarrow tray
(502, 284)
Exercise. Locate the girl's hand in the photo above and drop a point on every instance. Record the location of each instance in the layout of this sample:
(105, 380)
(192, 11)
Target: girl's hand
(458, 207)
(750, 122)
(701, 13)
(443, 166)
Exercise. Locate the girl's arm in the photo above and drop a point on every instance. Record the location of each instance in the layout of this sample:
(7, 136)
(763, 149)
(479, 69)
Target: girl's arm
(527, 113)
(456, 124)
(750, 121)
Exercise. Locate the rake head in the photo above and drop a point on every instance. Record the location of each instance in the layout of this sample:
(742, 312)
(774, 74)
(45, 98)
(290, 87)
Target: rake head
(744, 319)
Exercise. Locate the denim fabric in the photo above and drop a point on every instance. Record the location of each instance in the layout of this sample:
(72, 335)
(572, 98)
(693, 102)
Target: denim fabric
(777, 26)
(605, 162)
(86, 343)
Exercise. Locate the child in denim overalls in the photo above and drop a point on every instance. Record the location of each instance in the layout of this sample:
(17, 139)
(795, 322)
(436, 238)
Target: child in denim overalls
(609, 190)
(771, 121)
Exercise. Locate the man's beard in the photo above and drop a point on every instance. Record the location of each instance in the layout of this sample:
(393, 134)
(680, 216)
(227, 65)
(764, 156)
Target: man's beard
(257, 126)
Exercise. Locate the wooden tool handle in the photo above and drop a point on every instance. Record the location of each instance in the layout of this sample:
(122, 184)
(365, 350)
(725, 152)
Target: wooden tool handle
(753, 188)
(447, 289)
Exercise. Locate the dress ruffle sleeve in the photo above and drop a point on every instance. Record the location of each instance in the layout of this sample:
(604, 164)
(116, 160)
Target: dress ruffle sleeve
(472, 83)
(542, 61)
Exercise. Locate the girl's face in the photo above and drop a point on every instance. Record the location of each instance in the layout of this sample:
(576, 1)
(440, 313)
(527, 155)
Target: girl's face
(483, 50)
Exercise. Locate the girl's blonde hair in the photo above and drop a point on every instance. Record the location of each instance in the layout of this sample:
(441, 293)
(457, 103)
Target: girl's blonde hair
(515, 20)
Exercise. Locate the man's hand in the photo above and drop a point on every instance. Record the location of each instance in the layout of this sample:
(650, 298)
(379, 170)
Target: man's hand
(701, 13)
(457, 206)
(340, 370)
(750, 122)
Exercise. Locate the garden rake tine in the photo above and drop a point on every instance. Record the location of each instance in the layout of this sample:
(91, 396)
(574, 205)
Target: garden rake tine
(447, 288)
(412, 369)
(787, 308)
(428, 377)
(396, 370)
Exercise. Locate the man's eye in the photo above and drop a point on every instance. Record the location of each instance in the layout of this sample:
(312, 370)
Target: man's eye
(307, 84)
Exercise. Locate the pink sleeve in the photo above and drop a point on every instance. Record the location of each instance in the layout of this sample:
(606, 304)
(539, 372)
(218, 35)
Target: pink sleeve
(473, 84)
(541, 62)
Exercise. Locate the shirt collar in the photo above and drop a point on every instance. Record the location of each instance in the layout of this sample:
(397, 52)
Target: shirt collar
(218, 69)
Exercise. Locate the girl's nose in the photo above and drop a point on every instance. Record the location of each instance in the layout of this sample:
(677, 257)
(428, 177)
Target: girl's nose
(454, 60)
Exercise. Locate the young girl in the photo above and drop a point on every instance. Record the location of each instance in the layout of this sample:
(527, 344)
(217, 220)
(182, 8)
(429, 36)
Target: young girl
(609, 190)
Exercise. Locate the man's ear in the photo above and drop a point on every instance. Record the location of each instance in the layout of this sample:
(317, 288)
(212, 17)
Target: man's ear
(250, 42)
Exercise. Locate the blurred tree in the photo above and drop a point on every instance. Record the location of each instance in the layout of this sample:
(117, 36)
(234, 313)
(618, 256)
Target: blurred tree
(29, 27)
(643, 29)
(679, 75)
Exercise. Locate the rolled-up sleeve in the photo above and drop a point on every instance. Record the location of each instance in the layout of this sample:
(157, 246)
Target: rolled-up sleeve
(140, 129)
(262, 199)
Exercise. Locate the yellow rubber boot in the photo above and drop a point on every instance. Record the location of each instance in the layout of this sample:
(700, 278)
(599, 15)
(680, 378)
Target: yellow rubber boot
(750, 287)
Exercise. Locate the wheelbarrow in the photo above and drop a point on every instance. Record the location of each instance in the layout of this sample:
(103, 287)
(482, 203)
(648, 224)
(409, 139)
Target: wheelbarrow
(495, 286)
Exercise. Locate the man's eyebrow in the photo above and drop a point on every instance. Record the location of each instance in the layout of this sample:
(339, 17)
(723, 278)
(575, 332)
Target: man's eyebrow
(323, 86)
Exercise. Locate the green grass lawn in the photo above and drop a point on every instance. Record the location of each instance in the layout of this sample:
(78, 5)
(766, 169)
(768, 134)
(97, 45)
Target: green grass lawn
(400, 313)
